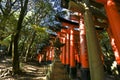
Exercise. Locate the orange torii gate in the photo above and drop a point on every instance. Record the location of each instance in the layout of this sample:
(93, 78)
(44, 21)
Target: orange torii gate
(69, 54)
(75, 48)
(112, 14)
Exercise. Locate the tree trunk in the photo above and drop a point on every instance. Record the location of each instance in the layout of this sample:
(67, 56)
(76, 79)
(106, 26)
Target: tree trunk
(10, 49)
(23, 50)
(29, 46)
(15, 56)
(10, 46)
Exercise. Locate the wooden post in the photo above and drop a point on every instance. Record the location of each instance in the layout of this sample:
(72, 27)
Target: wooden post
(61, 50)
(114, 20)
(94, 52)
(85, 74)
(68, 52)
(47, 54)
(114, 48)
(51, 55)
(72, 55)
(64, 52)
(83, 46)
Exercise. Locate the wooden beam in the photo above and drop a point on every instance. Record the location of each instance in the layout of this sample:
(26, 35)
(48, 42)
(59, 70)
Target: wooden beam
(61, 19)
(76, 7)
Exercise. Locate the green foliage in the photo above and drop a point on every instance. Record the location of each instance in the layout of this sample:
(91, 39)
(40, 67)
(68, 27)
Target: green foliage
(8, 27)
(6, 40)
(105, 42)
(108, 53)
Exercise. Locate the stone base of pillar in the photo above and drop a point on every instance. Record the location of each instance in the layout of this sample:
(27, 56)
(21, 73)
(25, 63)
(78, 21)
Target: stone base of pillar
(85, 74)
(73, 72)
(78, 65)
(49, 62)
(67, 68)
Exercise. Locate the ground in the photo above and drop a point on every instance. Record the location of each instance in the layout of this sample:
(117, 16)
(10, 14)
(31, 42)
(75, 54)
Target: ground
(31, 70)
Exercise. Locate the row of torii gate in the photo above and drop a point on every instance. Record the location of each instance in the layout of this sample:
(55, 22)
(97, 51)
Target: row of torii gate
(81, 42)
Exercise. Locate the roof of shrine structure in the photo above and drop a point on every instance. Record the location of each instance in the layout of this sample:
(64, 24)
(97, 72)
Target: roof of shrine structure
(97, 9)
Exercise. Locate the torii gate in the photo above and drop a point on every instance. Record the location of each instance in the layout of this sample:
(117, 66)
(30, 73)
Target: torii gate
(113, 30)
(96, 73)
(74, 50)
(68, 37)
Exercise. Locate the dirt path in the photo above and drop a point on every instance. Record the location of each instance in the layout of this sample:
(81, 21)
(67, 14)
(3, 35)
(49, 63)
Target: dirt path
(32, 70)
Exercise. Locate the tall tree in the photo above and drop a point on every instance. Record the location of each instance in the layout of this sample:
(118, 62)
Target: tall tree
(16, 65)
(13, 19)
(32, 22)
(7, 24)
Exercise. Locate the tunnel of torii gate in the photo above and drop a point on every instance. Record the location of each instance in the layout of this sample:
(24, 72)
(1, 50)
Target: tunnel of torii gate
(79, 34)
(81, 41)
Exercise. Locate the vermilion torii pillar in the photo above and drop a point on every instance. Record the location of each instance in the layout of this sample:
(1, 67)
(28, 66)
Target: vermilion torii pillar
(67, 51)
(50, 54)
(114, 20)
(85, 74)
(72, 55)
(70, 49)
(65, 35)
(62, 55)
(64, 51)
(63, 39)
(114, 47)
(83, 46)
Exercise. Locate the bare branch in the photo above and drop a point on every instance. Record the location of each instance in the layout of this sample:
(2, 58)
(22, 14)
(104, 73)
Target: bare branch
(14, 11)
(12, 4)
(2, 8)
(21, 1)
